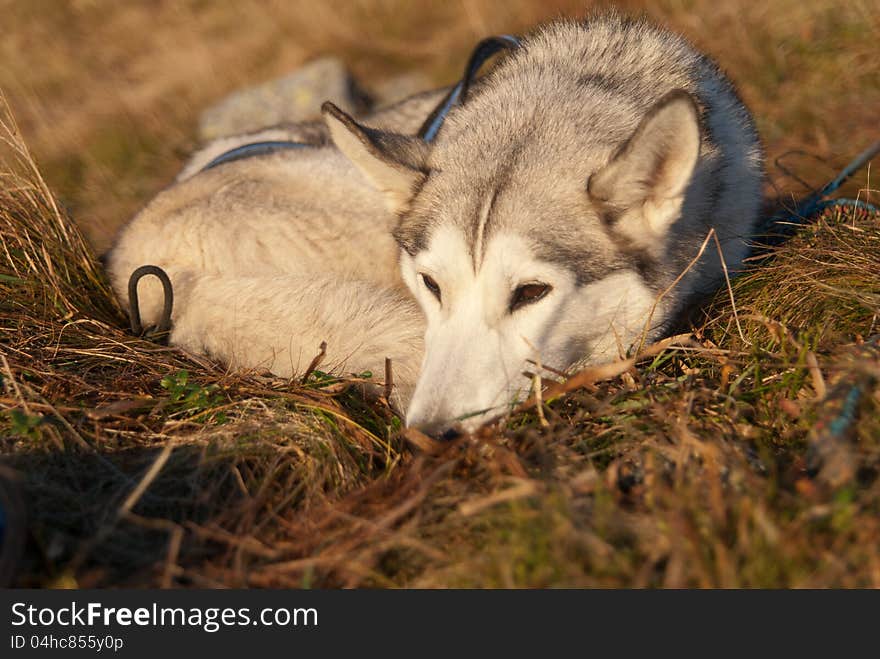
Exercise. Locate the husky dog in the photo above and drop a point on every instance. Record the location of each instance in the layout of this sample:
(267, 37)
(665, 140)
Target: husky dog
(557, 204)
(544, 226)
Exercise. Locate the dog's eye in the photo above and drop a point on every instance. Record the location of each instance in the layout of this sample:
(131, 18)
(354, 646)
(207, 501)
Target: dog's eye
(431, 285)
(528, 294)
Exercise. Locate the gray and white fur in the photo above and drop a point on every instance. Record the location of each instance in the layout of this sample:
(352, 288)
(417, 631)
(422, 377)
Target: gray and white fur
(573, 187)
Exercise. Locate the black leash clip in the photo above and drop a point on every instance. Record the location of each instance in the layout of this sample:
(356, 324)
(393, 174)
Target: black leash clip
(158, 333)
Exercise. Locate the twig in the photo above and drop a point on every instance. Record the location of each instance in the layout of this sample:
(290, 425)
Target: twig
(147, 480)
(816, 374)
(124, 511)
(592, 374)
(173, 552)
(520, 490)
(14, 384)
(175, 539)
(537, 385)
(539, 401)
(730, 290)
(424, 443)
(550, 369)
(83, 444)
(670, 287)
(389, 380)
(777, 329)
(245, 543)
(315, 362)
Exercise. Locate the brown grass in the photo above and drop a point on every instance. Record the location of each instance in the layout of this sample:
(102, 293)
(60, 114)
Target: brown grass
(746, 456)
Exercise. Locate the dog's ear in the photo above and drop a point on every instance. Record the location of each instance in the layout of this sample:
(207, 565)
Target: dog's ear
(643, 185)
(393, 163)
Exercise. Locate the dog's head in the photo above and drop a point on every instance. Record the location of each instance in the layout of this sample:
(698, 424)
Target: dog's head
(525, 251)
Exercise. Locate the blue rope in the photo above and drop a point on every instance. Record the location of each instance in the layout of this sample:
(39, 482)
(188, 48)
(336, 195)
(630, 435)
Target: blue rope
(432, 125)
(458, 94)
(814, 203)
(858, 162)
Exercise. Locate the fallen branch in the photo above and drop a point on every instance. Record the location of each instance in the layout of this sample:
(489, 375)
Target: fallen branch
(593, 374)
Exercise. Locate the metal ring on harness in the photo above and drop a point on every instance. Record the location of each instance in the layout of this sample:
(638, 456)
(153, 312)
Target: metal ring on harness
(134, 310)
(458, 94)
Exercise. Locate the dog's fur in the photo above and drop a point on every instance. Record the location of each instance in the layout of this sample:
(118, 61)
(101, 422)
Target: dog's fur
(572, 188)
(271, 256)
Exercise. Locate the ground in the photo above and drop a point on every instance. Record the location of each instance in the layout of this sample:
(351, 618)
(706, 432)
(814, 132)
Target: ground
(746, 454)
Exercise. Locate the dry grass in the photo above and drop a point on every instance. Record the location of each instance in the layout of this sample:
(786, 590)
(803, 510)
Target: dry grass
(85, 407)
(746, 456)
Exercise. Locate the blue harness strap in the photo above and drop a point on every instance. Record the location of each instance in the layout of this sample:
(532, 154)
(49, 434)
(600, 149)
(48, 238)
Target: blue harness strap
(458, 94)
(254, 149)
(432, 124)
(814, 203)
